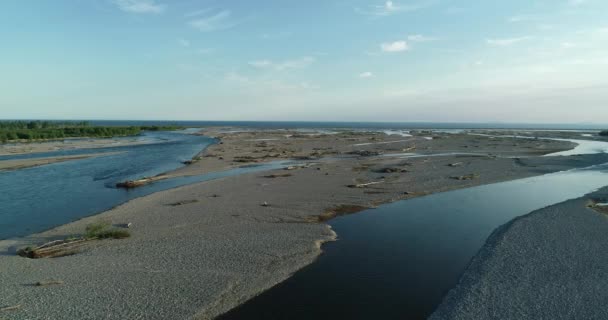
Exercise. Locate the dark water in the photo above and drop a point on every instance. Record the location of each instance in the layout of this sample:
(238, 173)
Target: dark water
(399, 261)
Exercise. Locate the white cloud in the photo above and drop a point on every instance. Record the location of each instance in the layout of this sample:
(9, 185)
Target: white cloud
(366, 74)
(183, 42)
(390, 7)
(283, 65)
(218, 21)
(261, 63)
(506, 41)
(420, 38)
(397, 46)
(524, 18)
(140, 6)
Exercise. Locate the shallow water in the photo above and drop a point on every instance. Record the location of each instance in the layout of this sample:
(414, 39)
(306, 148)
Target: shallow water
(38, 198)
(399, 260)
(583, 147)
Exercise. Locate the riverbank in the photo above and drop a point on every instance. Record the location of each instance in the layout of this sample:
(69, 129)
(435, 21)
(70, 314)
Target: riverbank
(549, 264)
(6, 165)
(199, 250)
(67, 144)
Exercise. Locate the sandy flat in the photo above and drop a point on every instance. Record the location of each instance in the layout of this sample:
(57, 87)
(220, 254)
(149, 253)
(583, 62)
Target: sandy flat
(199, 250)
(6, 165)
(66, 144)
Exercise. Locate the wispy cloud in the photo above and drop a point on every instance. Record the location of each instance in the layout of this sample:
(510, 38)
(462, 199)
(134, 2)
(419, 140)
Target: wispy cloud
(218, 21)
(523, 18)
(420, 38)
(576, 2)
(396, 46)
(260, 85)
(506, 41)
(183, 42)
(140, 6)
(276, 35)
(283, 65)
(197, 13)
(366, 74)
(390, 7)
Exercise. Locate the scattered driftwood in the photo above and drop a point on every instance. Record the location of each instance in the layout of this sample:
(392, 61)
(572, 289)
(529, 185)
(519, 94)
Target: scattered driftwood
(390, 170)
(465, 177)
(599, 206)
(53, 249)
(278, 175)
(364, 185)
(10, 308)
(48, 283)
(245, 159)
(130, 184)
(365, 153)
(183, 202)
(71, 246)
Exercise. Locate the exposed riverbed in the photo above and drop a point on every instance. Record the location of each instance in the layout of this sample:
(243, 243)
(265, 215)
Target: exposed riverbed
(399, 260)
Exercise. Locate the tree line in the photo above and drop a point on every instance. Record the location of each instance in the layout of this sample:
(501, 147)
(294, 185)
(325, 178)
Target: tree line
(604, 133)
(48, 130)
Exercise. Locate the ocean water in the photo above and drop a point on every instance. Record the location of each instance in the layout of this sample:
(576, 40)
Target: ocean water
(356, 125)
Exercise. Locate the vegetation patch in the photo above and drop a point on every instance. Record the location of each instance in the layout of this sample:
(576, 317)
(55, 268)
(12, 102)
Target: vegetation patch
(600, 206)
(71, 245)
(45, 130)
(604, 133)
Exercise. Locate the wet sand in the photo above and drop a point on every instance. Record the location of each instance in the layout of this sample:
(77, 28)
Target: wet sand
(199, 250)
(550, 264)
(66, 144)
(7, 165)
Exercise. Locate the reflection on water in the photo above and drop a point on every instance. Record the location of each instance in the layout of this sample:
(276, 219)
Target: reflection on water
(398, 261)
(583, 147)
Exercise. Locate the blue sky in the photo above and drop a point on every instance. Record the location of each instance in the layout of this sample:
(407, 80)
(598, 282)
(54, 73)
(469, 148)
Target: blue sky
(357, 60)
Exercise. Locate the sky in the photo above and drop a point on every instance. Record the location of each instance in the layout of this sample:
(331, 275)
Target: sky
(314, 60)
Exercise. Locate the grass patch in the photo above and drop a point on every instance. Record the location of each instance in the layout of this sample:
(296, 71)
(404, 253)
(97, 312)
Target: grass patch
(104, 230)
